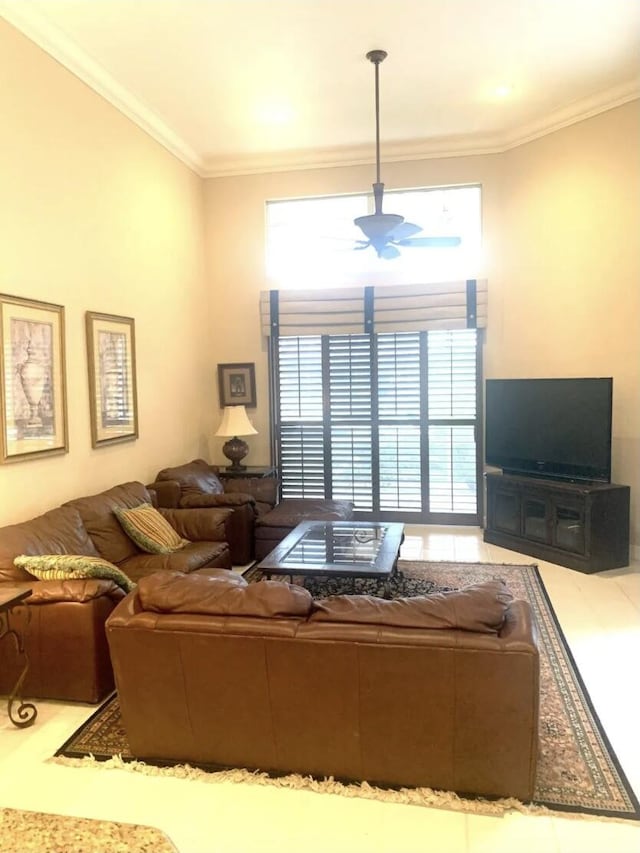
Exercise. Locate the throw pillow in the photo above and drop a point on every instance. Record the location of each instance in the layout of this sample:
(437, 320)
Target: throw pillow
(47, 567)
(149, 530)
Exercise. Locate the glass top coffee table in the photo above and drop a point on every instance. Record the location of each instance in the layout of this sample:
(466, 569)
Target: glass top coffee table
(347, 549)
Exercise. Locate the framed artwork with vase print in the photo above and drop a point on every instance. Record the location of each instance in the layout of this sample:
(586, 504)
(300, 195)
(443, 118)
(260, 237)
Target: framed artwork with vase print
(111, 350)
(32, 379)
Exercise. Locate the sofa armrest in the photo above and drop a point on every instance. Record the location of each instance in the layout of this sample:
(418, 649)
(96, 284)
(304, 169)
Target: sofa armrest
(204, 524)
(165, 493)
(221, 501)
(75, 589)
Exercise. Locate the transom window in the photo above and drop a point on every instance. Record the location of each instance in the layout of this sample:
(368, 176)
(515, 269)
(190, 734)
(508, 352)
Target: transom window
(322, 229)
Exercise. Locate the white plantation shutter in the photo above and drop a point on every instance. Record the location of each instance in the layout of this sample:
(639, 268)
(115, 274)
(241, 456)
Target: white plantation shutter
(301, 430)
(452, 394)
(350, 419)
(399, 386)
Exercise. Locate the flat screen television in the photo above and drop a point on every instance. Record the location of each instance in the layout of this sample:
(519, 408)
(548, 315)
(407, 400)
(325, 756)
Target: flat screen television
(556, 428)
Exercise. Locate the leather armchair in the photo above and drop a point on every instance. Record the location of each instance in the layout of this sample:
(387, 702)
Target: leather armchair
(196, 485)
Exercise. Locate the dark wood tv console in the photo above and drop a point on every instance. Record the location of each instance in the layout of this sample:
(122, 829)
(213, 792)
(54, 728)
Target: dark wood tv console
(584, 526)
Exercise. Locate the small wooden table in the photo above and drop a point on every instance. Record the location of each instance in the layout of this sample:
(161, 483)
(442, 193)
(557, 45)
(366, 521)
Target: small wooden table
(10, 597)
(344, 549)
(249, 471)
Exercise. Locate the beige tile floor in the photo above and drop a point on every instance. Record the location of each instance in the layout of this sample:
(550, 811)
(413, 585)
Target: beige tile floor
(600, 615)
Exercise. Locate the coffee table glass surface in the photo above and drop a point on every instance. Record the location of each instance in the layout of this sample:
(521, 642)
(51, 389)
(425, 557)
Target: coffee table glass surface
(341, 548)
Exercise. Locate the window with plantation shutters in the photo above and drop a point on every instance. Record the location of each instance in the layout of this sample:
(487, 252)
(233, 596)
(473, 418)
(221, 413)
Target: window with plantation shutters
(387, 421)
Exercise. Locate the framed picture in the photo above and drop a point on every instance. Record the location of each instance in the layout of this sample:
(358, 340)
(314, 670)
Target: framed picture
(32, 382)
(237, 385)
(113, 397)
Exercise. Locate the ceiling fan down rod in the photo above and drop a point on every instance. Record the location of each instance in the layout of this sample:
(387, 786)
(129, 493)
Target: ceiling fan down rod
(377, 56)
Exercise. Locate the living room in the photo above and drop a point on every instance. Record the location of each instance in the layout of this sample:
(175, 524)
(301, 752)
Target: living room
(99, 216)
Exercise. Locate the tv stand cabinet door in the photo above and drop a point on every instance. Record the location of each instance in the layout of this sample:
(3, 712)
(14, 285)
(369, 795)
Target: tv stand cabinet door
(568, 527)
(504, 507)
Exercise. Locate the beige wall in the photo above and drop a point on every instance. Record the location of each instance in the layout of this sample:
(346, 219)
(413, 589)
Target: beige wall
(568, 302)
(95, 215)
(561, 222)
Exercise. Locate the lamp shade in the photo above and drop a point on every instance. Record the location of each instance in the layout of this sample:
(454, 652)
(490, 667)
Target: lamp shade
(235, 422)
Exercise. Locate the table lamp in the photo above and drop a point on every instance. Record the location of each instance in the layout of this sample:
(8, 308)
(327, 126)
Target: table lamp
(235, 423)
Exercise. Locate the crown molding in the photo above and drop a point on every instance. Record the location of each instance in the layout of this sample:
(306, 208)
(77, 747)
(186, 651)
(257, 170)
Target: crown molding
(74, 59)
(35, 26)
(579, 110)
(425, 149)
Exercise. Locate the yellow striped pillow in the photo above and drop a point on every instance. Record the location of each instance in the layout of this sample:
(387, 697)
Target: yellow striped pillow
(48, 567)
(149, 530)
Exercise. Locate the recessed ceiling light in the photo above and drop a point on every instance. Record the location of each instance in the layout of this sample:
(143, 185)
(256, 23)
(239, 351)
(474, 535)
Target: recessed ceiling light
(275, 112)
(502, 91)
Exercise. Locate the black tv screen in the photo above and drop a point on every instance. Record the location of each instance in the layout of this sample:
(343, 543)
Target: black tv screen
(558, 428)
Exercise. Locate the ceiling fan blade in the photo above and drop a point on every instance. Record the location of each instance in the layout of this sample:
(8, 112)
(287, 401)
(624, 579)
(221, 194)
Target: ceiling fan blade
(441, 242)
(405, 230)
(388, 252)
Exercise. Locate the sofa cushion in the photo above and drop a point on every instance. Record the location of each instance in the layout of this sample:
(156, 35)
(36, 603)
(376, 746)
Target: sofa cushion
(480, 608)
(196, 555)
(48, 567)
(196, 478)
(97, 513)
(216, 596)
(59, 531)
(150, 530)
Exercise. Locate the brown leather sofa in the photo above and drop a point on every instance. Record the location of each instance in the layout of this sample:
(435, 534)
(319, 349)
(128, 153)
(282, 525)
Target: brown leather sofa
(63, 620)
(438, 691)
(259, 522)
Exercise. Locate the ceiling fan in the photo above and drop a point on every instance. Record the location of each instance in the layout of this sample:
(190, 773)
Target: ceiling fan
(386, 231)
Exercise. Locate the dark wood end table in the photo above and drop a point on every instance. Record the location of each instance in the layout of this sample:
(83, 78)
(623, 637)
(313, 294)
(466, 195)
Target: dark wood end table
(11, 597)
(249, 471)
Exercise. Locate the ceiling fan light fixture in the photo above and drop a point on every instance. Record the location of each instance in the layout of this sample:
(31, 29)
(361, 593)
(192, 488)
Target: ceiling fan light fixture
(386, 231)
(378, 224)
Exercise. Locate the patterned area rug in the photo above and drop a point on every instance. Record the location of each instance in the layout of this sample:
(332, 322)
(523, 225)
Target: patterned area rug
(51, 833)
(577, 768)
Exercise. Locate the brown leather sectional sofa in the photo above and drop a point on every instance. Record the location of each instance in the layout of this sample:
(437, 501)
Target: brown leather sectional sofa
(63, 620)
(438, 691)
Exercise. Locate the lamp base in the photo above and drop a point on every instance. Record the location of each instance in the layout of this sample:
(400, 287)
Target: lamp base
(235, 449)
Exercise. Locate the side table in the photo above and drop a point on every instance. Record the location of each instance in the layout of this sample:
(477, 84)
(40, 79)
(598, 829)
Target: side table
(11, 597)
(249, 471)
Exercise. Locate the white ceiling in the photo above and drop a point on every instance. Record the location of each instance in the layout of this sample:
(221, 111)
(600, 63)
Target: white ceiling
(241, 86)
